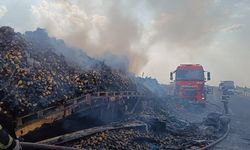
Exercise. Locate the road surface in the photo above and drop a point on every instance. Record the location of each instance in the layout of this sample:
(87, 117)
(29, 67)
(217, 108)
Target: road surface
(239, 109)
(239, 135)
(196, 113)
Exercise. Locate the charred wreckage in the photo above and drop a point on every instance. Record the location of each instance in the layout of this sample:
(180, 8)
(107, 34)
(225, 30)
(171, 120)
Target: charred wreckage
(41, 87)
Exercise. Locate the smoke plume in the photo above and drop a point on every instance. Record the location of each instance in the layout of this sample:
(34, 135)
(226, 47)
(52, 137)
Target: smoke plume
(191, 24)
(147, 35)
(112, 31)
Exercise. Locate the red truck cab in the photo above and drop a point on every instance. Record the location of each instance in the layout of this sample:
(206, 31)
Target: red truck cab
(189, 83)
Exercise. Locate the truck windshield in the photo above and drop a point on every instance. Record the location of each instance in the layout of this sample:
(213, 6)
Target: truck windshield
(189, 75)
(228, 84)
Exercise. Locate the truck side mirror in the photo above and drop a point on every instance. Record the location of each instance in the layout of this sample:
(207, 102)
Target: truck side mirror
(171, 76)
(208, 76)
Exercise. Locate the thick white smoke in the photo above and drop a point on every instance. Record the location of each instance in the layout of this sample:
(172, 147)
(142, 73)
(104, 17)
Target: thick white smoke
(153, 36)
(111, 31)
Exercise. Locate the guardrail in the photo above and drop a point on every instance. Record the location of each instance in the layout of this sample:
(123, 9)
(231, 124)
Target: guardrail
(35, 120)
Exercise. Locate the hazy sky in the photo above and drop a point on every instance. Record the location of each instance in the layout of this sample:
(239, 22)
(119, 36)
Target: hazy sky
(155, 35)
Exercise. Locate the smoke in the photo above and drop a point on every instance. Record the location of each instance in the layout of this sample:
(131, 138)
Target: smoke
(151, 35)
(111, 31)
(183, 29)
(40, 38)
(191, 24)
(117, 62)
(187, 26)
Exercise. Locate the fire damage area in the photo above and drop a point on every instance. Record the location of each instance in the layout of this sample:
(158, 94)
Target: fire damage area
(159, 130)
(35, 75)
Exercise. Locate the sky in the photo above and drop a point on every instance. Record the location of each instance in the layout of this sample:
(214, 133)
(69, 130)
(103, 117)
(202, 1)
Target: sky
(154, 35)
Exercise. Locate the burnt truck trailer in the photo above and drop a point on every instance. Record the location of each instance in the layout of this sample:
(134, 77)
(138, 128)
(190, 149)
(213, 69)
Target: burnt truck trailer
(189, 82)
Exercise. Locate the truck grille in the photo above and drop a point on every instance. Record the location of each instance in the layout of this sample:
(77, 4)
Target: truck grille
(189, 92)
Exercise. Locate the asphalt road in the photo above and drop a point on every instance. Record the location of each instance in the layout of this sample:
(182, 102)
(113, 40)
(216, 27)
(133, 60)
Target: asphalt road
(239, 109)
(239, 135)
(196, 113)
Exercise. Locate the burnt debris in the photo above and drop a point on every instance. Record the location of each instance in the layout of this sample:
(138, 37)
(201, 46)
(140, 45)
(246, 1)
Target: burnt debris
(163, 132)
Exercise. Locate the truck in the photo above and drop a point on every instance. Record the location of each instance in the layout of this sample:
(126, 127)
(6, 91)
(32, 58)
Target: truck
(227, 87)
(189, 83)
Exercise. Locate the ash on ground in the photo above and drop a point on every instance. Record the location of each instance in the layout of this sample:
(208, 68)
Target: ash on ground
(163, 131)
